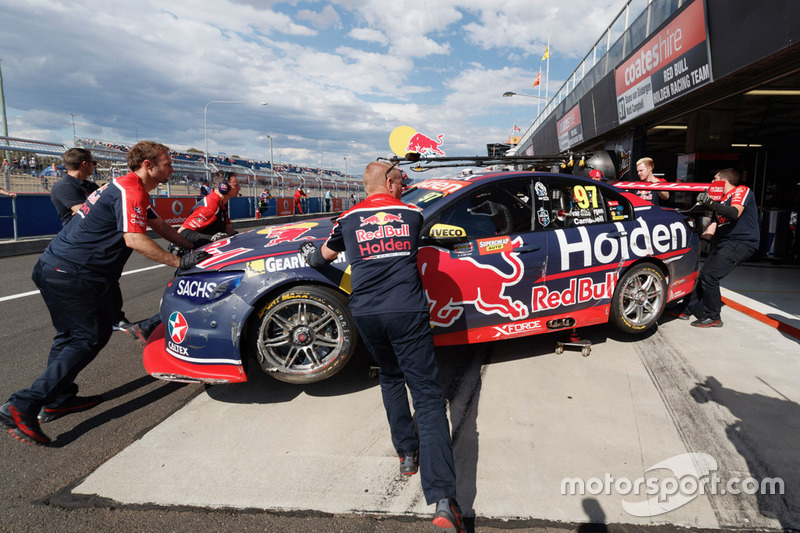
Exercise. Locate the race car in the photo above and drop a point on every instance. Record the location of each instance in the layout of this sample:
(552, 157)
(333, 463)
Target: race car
(503, 254)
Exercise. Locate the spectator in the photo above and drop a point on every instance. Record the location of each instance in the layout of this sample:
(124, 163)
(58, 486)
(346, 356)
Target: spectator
(263, 202)
(328, 198)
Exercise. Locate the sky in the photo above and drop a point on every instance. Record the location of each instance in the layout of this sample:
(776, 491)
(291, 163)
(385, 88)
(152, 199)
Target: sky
(337, 76)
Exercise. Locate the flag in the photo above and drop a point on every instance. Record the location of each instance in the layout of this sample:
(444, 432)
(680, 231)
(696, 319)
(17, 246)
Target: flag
(516, 128)
(546, 53)
(538, 79)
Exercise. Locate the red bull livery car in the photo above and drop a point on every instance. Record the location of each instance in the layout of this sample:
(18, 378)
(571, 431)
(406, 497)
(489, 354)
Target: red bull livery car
(503, 255)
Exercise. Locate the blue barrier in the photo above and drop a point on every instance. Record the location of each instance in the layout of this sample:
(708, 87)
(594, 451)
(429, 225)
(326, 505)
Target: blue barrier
(37, 216)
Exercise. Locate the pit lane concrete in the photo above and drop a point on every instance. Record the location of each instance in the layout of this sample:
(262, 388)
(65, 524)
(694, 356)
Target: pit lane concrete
(523, 419)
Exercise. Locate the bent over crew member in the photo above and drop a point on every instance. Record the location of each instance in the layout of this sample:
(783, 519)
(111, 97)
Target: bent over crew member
(75, 276)
(391, 313)
(734, 235)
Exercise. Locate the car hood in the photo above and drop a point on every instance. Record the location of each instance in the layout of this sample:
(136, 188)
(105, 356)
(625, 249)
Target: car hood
(232, 253)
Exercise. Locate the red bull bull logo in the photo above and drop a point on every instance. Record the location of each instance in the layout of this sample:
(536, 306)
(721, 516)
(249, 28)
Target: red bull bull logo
(287, 233)
(404, 139)
(450, 284)
(424, 145)
(381, 218)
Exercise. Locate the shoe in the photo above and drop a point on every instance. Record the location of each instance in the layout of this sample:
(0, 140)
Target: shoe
(707, 323)
(680, 315)
(22, 427)
(409, 463)
(75, 404)
(121, 325)
(448, 517)
(137, 333)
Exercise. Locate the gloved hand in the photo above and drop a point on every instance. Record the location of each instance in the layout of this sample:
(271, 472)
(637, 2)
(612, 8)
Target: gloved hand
(704, 199)
(174, 249)
(220, 235)
(313, 255)
(191, 259)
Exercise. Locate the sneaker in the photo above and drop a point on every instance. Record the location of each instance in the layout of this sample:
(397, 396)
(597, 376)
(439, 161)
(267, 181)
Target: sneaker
(137, 334)
(708, 323)
(75, 404)
(22, 427)
(409, 463)
(448, 517)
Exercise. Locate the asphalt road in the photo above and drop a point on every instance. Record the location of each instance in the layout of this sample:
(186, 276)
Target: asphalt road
(540, 416)
(36, 481)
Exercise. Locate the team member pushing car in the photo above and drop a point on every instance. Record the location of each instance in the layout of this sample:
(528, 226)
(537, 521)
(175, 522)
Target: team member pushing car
(74, 276)
(209, 220)
(734, 236)
(391, 313)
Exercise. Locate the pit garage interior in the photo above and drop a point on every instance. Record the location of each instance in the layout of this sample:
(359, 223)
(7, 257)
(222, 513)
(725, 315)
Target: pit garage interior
(745, 114)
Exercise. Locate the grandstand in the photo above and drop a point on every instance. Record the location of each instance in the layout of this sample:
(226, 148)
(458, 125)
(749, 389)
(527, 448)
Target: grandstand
(190, 170)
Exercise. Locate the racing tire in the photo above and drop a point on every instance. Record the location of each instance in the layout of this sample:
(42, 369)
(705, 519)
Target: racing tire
(639, 299)
(304, 335)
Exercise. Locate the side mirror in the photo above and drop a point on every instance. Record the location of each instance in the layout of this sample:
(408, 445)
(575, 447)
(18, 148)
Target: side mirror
(447, 234)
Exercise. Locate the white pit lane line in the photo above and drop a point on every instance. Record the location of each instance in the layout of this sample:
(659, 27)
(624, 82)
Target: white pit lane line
(31, 293)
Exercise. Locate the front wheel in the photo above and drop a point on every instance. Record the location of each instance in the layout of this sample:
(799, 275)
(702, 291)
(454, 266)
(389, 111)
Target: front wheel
(304, 335)
(639, 299)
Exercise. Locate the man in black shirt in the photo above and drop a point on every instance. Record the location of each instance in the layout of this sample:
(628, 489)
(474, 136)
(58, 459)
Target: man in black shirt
(71, 191)
(391, 313)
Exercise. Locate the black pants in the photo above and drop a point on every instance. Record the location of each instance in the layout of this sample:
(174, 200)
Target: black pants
(402, 345)
(81, 312)
(721, 262)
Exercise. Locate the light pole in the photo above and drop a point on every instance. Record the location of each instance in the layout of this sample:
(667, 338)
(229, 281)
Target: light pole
(205, 118)
(345, 168)
(271, 163)
(508, 94)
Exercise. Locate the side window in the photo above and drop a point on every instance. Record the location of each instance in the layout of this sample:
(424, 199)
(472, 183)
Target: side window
(493, 210)
(566, 204)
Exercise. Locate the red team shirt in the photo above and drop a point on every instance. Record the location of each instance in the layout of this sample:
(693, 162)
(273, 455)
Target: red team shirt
(210, 215)
(93, 246)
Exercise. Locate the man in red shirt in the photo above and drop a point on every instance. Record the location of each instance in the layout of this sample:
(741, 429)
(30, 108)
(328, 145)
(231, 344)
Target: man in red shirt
(644, 167)
(298, 195)
(209, 220)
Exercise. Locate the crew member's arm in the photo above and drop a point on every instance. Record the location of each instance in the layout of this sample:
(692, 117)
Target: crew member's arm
(150, 249)
(728, 211)
(664, 195)
(317, 257)
(168, 232)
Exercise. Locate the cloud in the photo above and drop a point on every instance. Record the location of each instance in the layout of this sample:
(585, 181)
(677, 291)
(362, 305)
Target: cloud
(326, 18)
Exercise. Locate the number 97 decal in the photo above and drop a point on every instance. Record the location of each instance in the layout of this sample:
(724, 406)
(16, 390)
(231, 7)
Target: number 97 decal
(585, 196)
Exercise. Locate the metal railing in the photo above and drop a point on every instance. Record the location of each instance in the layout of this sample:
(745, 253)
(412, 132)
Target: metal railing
(604, 56)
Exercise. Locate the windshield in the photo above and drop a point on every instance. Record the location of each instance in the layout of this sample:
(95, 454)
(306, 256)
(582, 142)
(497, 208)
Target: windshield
(428, 192)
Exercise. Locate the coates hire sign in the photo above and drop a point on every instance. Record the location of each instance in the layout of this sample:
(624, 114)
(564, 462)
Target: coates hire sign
(670, 64)
(570, 131)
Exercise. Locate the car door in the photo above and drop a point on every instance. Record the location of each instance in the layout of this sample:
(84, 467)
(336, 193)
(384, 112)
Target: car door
(480, 289)
(587, 240)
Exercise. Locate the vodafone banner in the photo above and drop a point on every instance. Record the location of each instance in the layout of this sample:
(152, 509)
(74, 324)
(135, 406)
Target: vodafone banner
(670, 64)
(174, 210)
(284, 206)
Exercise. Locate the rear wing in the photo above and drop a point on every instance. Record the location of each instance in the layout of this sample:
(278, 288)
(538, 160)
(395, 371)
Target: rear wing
(714, 189)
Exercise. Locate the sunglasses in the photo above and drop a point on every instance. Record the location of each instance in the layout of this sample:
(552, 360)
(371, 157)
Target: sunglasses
(391, 167)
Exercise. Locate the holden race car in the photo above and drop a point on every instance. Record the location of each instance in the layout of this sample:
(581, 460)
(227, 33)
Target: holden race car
(503, 254)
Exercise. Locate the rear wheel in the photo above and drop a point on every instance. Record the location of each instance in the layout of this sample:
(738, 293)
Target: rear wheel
(639, 299)
(304, 335)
